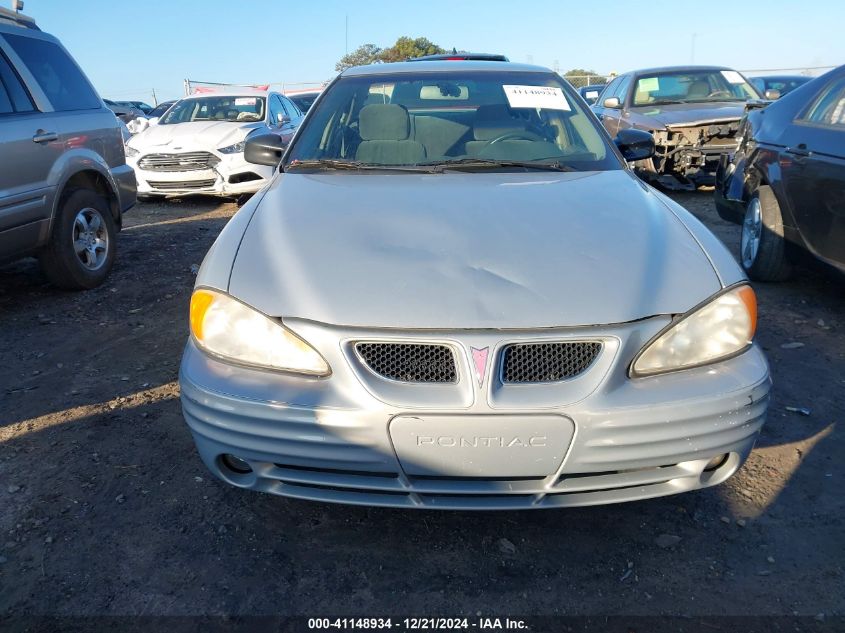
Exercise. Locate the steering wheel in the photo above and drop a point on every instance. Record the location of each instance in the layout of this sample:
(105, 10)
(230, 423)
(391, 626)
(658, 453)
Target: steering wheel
(524, 135)
(719, 93)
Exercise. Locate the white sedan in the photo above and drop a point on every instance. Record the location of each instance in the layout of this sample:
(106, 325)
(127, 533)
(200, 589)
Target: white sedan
(197, 147)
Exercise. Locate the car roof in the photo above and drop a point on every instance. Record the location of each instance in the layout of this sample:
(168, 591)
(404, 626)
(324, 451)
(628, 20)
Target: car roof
(395, 68)
(489, 57)
(781, 77)
(15, 18)
(676, 69)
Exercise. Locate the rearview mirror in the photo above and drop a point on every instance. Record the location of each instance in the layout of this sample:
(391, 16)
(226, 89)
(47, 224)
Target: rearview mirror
(635, 144)
(264, 149)
(611, 102)
(772, 94)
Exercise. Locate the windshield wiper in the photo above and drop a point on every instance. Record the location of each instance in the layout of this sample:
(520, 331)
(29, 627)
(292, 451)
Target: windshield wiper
(492, 163)
(335, 163)
(665, 102)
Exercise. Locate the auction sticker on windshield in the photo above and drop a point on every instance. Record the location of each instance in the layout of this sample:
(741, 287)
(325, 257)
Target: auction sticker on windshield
(649, 84)
(733, 77)
(245, 101)
(547, 97)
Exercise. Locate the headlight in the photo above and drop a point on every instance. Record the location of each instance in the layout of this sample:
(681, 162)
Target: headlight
(130, 151)
(233, 149)
(720, 328)
(225, 327)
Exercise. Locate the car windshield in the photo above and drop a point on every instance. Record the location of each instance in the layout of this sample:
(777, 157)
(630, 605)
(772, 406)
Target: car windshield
(469, 120)
(694, 86)
(784, 84)
(304, 101)
(247, 108)
(161, 109)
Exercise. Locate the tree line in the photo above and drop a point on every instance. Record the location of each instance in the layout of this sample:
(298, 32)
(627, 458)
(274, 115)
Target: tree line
(408, 47)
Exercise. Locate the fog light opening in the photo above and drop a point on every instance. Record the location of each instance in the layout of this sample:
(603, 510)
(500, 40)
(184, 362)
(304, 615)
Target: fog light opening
(716, 463)
(235, 464)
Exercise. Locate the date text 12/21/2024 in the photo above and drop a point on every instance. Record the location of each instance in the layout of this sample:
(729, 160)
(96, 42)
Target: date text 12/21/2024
(417, 624)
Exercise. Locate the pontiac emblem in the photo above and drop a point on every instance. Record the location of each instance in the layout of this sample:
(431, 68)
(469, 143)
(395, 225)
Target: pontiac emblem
(479, 359)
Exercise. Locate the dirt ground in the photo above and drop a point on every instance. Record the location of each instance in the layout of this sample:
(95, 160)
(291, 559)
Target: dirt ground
(105, 507)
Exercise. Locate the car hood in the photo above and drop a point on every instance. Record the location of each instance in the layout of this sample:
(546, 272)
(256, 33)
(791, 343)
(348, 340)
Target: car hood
(692, 113)
(468, 250)
(206, 134)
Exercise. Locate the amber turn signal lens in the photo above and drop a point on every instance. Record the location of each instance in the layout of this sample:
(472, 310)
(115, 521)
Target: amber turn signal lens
(746, 294)
(201, 300)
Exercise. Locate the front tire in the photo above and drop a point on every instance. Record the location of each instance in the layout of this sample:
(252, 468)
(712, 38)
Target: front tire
(763, 248)
(81, 250)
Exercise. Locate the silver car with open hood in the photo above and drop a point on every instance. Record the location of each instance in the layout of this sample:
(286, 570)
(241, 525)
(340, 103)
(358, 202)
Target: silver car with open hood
(455, 294)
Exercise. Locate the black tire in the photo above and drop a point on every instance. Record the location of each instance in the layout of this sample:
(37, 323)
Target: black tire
(770, 262)
(59, 259)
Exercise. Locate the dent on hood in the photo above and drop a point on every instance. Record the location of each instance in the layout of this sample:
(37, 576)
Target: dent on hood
(468, 251)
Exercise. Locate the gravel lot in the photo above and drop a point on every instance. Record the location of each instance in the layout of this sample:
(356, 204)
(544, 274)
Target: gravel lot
(105, 507)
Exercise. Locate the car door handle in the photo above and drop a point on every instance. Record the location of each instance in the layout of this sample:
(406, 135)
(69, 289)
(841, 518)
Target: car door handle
(800, 152)
(45, 137)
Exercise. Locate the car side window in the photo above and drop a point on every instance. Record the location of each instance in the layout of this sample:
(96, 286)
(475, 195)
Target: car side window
(622, 91)
(829, 109)
(13, 95)
(56, 73)
(609, 90)
(290, 106)
(275, 110)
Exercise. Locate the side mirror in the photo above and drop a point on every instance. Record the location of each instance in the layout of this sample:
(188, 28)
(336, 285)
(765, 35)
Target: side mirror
(772, 94)
(635, 144)
(612, 102)
(264, 149)
(153, 121)
(282, 118)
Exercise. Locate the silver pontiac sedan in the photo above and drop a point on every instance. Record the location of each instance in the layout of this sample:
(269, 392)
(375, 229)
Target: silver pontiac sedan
(455, 294)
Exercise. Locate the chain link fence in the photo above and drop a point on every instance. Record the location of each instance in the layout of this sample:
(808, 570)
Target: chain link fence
(581, 81)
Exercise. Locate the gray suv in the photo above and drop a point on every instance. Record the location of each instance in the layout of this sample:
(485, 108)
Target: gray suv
(64, 182)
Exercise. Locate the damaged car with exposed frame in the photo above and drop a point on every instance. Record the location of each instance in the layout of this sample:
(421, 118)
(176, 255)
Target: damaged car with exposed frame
(197, 146)
(693, 112)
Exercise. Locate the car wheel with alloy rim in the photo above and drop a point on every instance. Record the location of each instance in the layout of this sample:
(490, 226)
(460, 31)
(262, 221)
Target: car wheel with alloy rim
(81, 249)
(763, 248)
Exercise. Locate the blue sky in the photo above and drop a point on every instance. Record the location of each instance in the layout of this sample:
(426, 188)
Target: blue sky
(128, 48)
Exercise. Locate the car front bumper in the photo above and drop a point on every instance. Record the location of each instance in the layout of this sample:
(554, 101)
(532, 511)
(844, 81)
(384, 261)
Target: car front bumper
(231, 176)
(621, 439)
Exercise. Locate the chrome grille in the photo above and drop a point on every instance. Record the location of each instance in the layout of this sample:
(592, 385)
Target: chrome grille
(188, 161)
(409, 362)
(166, 185)
(547, 362)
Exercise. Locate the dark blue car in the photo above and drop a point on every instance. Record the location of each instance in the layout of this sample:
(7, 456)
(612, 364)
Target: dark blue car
(786, 181)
